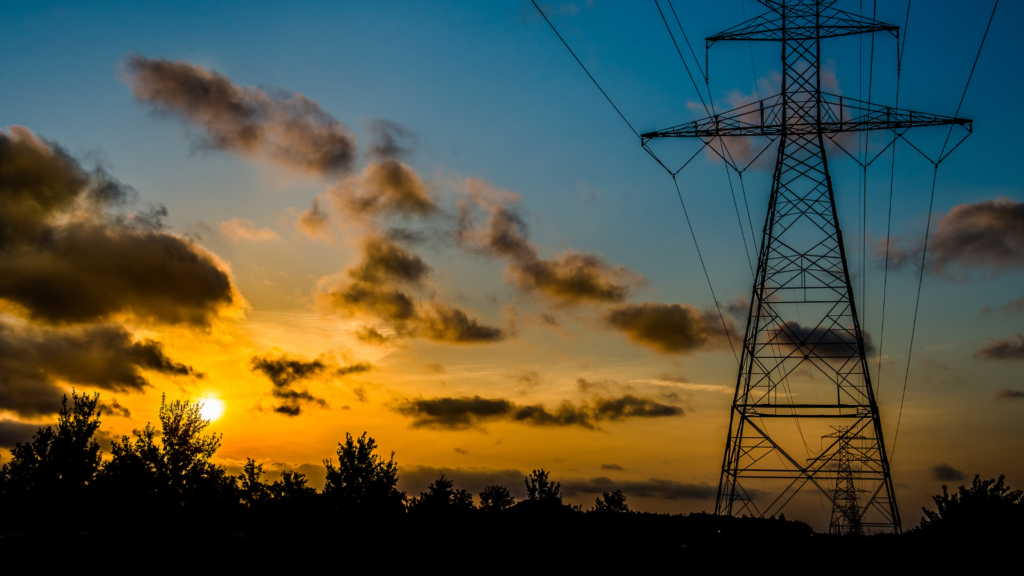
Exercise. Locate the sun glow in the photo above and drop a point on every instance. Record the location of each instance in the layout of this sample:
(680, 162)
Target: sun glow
(213, 408)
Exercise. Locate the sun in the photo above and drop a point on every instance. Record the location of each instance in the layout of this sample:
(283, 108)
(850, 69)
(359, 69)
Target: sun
(213, 408)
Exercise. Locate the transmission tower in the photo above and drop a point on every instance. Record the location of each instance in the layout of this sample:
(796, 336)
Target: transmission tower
(802, 327)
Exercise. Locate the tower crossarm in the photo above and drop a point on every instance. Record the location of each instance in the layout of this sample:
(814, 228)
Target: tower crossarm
(837, 114)
(803, 22)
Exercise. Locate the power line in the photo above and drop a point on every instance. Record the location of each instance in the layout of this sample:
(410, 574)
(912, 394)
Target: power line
(584, 68)
(927, 230)
(678, 51)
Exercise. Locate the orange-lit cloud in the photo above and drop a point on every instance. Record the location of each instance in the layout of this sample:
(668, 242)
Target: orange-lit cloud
(241, 229)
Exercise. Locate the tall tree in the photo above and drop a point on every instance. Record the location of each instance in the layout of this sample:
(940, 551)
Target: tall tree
(362, 480)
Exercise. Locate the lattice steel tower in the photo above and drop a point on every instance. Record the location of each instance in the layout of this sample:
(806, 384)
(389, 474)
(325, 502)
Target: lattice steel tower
(802, 327)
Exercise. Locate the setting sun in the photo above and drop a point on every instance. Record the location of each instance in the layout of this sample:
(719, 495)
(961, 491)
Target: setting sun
(213, 408)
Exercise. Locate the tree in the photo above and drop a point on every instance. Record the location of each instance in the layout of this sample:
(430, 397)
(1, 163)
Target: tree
(252, 489)
(64, 458)
(363, 480)
(539, 488)
(48, 476)
(442, 495)
(170, 468)
(291, 487)
(987, 507)
(496, 498)
(614, 502)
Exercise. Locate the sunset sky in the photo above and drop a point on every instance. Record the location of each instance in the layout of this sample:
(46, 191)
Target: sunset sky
(422, 220)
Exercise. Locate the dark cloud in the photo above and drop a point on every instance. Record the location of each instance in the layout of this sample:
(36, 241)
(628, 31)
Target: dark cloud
(377, 286)
(114, 408)
(356, 368)
(360, 393)
(461, 451)
(34, 360)
(389, 140)
(284, 372)
(837, 342)
(567, 414)
(372, 336)
(611, 467)
(285, 128)
(436, 368)
(569, 278)
(71, 254)
(630, 406)
(447, 413)
(946, 473)
(653, 488)
(405, 236)
(1008, 394)
(13, 432)
(414, 479)
(586, 386)
(669, 328)
(453, 413)
(1011, 348)
(386, 187)
(444, 323)
(987, 234)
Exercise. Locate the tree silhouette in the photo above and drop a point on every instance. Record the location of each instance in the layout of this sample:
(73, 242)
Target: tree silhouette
(540, 489)
(253, 491)
(987, 507)
(442, 495)
(495, 498)
(291, 487)
(170, 469)
(362, 480)
(52, 471)
(64, 459)
(613, 502)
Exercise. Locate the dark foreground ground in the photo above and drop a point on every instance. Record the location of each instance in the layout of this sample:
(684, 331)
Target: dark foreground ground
(514, 541)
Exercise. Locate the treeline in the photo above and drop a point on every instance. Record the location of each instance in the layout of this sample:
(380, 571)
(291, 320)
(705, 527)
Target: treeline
(162, 483)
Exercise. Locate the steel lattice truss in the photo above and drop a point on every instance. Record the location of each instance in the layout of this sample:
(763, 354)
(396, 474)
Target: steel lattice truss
(803, 320)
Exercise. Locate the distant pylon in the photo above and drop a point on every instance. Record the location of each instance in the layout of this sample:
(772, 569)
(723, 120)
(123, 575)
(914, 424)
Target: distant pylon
(803, 276)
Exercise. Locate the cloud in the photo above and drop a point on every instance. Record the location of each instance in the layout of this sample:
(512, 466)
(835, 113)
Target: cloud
(669, 328)
(463, 413)
(33, 361)
(284, 128)
(436, 367)
(385, 187)
(611, 467)
(313, 222)
(444, 323)
(1007, 349)
(12, 432)
(69, 253)
(1008, 394)
(389, 140)
(838, 343)
(284, 372)
(241, 229)
(461, 451)
(356, 368)
(114, 408)
(528, 381)
(652, 488)
(571, 277)
(987, 234)
(946, 473)
(586, 386)
(453, 413)
(414, 479)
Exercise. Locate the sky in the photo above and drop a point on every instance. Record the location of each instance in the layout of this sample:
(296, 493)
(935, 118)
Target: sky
(422, 220)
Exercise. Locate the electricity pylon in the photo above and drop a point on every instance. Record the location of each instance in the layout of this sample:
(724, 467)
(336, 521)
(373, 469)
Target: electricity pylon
(802, 326)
